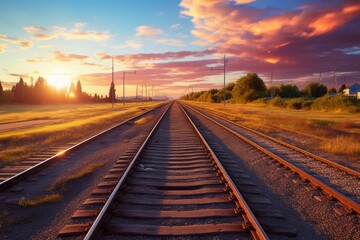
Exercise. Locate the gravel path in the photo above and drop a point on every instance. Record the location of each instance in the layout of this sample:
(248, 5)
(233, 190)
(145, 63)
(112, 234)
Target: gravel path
(45, 220)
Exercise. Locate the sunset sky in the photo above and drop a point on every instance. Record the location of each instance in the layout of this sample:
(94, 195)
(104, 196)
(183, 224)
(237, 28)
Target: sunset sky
(172, 43)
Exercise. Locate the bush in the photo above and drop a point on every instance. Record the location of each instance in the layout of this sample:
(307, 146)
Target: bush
(335, 103)
(277, 102)
(248, 88)
(306, 104)
(295, 103)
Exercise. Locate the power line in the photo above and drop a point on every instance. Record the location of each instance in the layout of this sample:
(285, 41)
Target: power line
(223, 69)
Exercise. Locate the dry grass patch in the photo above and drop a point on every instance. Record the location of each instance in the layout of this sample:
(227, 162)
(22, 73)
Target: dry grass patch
(69, 123)
(342, 145)
(83, 172)
(14, 154)
(337, 132)
(144, 120)
(31, 202)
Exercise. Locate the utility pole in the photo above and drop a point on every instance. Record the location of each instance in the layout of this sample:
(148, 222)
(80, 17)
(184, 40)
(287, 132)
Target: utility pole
(146, 93)
(134, 72)
(335, 79)
(112, 81)
(223, 69)
(271, 81)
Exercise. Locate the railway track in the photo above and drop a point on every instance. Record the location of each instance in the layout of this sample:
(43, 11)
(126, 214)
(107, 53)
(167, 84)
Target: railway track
(336, 181)
(174, 185)
(12, 174)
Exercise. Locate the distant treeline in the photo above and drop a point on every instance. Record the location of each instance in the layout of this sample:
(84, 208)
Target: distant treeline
(43, 93)
(251, 88)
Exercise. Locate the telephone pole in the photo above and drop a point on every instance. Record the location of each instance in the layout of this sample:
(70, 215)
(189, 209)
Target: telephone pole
(124, 73)
(112, 83)
(223, 69)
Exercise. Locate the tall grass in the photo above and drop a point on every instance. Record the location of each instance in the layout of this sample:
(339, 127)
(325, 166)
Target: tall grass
(336, 132)
(31, 202)
(70, 123)
(342, 145)
(81, 173)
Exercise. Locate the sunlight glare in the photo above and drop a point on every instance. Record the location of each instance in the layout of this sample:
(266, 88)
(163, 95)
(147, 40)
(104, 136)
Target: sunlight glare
(59, 81)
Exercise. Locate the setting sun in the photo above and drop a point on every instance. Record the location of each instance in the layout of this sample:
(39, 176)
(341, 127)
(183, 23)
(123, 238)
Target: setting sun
(59, 81)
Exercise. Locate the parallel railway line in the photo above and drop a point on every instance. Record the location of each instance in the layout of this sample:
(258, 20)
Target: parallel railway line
(336, 181)
(176, 181)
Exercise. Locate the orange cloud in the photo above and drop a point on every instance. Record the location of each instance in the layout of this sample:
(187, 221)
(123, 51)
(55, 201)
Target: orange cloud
(243, 1)
(148, 31)
(234, 28)
(2, 47)
(37, 60)
(76, 33)
(330, 21)
(62, 57)
(24, 43)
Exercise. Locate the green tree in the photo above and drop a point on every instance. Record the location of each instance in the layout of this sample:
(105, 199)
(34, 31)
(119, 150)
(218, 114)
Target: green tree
(331, 91)
(78, 88)
(342, 88)
(289, 91)
(41, 91)
(112, 92)
(21, 92)
(78, 91)
(1, 89)
(248, 88)
(315, 90)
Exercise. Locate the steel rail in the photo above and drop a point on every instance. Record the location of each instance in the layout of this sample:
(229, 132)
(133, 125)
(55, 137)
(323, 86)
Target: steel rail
(37, 167)
(331, 192)
(307, 153)
(91, 234)
(256, 228)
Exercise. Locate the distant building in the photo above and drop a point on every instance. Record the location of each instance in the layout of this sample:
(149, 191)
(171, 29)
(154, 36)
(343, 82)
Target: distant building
(353, 90)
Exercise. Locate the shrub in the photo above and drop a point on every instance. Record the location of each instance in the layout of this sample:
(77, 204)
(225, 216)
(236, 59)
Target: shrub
(295, 103)
(306, 104)
(277, 102)
(336, 103)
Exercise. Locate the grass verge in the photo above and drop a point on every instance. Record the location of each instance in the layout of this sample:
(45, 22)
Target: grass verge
(31, 202)
(336, 132)
(83, 172)
(68, 123)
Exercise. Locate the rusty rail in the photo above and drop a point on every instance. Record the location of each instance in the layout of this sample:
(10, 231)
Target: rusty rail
(257, 232)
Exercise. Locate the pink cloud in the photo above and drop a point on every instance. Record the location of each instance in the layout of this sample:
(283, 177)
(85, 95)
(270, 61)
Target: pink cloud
(31, 29)
(171, 41)
(222, 25)
(19, 75)
(148, 31)
(24, 43)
